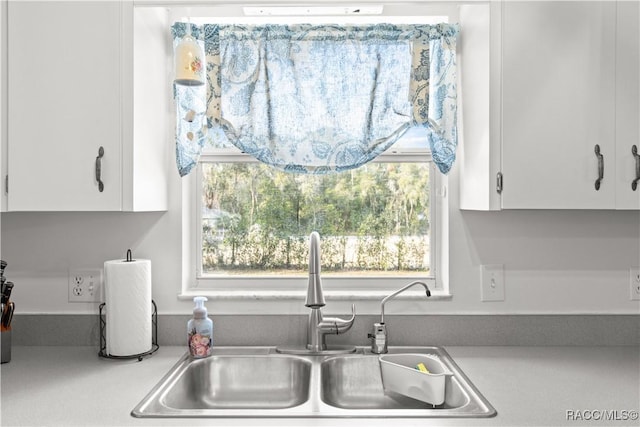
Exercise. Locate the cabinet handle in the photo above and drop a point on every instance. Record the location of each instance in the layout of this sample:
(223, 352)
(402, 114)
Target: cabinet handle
(634, 183)
(99, 169)
(600, 166)
(499, 182)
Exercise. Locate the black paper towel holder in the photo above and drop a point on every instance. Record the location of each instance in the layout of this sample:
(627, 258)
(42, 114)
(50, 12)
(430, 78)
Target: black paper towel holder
(154, 333)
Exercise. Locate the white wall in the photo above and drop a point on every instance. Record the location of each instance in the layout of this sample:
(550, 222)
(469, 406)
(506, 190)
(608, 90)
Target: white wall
(555, 261)
(3, 101)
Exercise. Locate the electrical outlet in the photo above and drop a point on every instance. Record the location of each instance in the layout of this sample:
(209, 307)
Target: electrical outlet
(85, 285)
(492, 283)
(634, 283)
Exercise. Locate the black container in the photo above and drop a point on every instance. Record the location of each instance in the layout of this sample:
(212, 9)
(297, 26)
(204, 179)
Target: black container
(5, 346)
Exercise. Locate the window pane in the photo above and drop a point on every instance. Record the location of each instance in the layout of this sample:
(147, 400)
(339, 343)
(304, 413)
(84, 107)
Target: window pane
(373, 220)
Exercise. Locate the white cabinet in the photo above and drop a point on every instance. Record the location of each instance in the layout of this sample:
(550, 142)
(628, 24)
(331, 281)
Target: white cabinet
(627, 104)
(71, 68)
(480, 67)
(558, 104)
(567, 82)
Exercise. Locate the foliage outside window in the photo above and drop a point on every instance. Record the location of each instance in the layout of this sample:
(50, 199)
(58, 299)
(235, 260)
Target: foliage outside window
(256, 219)
(374, 220)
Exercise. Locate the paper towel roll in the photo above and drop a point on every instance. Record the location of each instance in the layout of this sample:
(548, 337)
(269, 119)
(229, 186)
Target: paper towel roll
(128, 307)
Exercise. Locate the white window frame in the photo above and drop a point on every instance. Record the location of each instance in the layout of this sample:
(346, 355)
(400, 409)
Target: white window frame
(369, 287)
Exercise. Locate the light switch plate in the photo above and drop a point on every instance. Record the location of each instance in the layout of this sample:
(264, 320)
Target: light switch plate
(492, 282)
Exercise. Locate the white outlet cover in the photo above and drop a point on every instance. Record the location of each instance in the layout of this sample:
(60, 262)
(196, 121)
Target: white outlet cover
(492, 286)
(85, 285)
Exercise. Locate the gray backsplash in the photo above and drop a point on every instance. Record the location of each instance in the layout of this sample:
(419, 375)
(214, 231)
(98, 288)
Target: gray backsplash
(440, 330)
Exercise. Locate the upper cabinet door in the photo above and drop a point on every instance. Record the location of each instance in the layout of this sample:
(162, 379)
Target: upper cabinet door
(64, 103)
(558, 104)
(627, 104)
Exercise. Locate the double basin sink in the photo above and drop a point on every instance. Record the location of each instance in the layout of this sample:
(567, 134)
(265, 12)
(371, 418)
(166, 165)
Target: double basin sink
(260, 382)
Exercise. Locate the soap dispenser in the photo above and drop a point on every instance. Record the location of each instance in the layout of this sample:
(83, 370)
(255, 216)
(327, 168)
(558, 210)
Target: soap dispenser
(200, 330)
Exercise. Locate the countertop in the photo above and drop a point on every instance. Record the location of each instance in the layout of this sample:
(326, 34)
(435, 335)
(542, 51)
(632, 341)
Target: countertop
(541, 386)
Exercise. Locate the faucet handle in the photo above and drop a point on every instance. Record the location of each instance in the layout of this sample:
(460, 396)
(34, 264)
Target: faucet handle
(353, 314)
(344, 325)
(341, 326)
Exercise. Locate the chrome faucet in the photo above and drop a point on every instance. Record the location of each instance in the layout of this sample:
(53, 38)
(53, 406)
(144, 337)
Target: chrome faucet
(380, 337)
(318, 326)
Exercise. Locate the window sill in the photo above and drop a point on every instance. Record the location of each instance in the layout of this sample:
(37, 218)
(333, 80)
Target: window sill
(351, 296)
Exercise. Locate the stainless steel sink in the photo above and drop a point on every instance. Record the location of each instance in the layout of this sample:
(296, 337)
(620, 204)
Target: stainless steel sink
(259, 382)
(241, 382)
(356, 383)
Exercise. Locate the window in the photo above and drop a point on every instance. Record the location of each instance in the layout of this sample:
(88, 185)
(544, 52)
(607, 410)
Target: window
(373, 220)
(380, 224)
(376, 222)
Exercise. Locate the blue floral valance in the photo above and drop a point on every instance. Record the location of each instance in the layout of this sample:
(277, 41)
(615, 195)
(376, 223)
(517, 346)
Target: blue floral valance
(317, 99)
